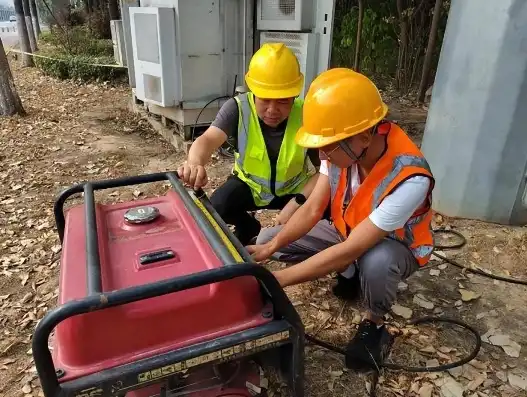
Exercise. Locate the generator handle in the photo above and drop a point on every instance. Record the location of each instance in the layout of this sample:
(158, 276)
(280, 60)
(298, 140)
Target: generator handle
(283, 309)
(93, 265)
(103, 184)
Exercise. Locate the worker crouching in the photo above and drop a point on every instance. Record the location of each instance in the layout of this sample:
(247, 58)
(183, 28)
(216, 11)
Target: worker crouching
(270, 171)
(378, 186)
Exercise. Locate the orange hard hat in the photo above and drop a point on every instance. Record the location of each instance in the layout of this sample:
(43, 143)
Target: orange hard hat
(340, 103)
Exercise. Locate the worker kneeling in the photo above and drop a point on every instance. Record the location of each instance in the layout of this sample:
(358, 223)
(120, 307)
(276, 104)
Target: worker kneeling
(270, 170)
(378, 186)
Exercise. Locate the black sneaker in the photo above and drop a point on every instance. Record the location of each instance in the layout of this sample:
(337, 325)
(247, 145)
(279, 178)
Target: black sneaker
(347, 288)
(369, 347)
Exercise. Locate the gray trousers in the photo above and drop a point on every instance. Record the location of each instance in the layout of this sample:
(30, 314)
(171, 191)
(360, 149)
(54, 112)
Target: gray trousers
(381, 268)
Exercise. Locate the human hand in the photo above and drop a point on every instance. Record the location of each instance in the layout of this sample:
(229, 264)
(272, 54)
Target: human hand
(260, 252)
(193, 175)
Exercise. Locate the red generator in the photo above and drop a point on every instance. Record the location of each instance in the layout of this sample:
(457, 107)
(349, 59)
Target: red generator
(158, 298)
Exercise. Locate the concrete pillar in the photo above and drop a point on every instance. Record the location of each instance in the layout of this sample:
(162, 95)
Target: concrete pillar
(476, 132)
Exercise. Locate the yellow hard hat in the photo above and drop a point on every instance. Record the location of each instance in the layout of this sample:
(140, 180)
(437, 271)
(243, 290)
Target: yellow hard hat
(340, 103)
(274, 72)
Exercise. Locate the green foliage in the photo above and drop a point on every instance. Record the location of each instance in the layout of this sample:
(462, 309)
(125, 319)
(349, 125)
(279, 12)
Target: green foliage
(75, 50)
(378, 42)
(79, 67)
(76, 17)
(79, 40)
(383, 52)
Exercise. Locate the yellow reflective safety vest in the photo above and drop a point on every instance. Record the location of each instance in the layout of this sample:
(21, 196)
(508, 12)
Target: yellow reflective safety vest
(252, 164)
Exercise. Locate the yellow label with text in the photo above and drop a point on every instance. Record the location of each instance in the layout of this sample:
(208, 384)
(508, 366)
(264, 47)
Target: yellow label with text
(225, 354)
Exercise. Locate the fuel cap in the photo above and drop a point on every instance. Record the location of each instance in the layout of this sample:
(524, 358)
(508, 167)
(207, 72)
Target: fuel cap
(140, 215)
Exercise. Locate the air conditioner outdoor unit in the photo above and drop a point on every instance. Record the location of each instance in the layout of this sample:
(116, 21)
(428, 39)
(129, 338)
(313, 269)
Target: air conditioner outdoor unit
(288, 15)
(157, 74)
(304, 46)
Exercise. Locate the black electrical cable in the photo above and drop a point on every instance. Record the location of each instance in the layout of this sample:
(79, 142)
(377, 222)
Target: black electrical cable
(431, 319)
(400, 367)
(468, 269)
(224, 152)
(203, 108)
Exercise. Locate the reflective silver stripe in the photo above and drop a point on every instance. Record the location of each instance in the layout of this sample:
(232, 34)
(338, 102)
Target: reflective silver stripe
(422, 251)
(243, 131)
(256, 179)
(291, 182)
(243, 126)
(398, 164)
(334, 177)
(409, 237)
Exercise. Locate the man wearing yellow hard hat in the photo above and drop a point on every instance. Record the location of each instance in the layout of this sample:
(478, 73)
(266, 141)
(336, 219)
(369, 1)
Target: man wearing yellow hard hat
(378, 186)
(271, 169)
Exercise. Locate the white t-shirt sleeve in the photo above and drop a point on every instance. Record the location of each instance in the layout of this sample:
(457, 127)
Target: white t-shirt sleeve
(324, 169)
(398, 207)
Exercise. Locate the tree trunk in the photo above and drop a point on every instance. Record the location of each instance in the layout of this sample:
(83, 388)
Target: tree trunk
(403, 42)
(429, 51)
(10, 102)
(29, 25)
(88, 6)
(113, 8)
(34, 15)
(25, 46)
(356, 62)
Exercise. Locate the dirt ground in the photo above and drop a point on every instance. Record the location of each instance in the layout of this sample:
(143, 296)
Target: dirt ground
(78, 132)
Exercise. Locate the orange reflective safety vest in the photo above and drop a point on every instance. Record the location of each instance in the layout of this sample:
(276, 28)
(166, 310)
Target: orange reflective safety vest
(401, 160)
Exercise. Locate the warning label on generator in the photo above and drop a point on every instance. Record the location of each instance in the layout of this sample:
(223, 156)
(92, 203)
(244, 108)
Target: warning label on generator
(227, 354)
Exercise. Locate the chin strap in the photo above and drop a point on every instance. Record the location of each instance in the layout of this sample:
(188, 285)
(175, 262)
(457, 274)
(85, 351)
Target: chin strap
(346, 147)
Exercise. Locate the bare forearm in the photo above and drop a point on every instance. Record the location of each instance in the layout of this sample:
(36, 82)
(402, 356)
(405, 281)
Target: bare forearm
(200, 152)
(335, 258)
(310, 185)
(302, 221)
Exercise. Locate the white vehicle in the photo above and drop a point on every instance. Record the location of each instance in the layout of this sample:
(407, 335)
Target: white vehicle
(12, 18)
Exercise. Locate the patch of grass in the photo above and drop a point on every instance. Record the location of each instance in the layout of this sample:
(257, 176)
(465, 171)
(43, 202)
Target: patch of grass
(78, 40)
(75, 50)
(79, 67)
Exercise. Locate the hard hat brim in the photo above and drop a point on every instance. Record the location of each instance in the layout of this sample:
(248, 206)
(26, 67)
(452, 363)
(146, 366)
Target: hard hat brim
(312, 140)
(275, 93)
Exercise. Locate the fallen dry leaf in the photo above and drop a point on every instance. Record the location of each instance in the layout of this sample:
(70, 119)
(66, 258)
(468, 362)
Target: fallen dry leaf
(333, 376)
(421, 301)
(24, 278)
(467, 295)
(494, 337)
(449, 387)
(477, 382)
(428, 349)
(426, 390)
(518, 379)
(402, 311)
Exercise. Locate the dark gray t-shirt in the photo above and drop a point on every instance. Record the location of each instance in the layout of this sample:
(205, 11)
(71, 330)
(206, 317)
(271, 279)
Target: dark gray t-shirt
(227, 121)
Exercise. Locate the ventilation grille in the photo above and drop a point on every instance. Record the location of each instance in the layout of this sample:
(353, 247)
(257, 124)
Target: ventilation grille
(278, 10)
(295, 41)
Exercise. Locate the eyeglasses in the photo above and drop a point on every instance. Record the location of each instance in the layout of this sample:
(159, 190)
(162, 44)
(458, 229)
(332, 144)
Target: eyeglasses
(328, 154)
